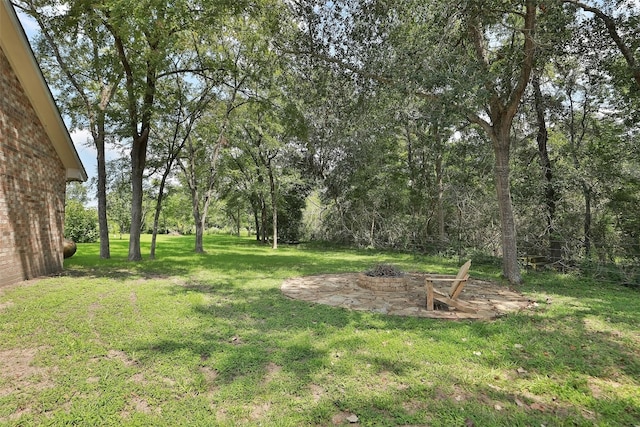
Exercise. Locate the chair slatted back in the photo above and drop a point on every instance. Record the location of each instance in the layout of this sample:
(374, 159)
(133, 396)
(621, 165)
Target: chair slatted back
(461, 279)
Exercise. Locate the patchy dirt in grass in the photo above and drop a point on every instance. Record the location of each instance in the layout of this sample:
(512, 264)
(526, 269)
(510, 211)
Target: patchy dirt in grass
(341, 290)
(139, 378)
(272, 371)
(121, 356)
(5, 305)
(18, 373)
(413, 406)
(210, 376)
(317, 392)
(345, 418)
(138, 404)
(260, 411)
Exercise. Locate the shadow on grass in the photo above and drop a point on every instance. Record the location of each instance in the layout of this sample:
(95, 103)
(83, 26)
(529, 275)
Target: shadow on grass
(224, 254)
(588, 330)
(245, 331)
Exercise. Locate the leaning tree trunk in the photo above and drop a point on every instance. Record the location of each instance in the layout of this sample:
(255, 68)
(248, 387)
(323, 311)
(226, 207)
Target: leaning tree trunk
(551, 197)
(156, 216)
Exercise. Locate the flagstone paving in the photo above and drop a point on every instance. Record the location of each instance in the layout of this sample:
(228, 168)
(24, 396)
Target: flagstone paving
(342, 290)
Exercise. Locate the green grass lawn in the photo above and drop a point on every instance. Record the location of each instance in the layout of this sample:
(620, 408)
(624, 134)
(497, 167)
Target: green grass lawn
(209, 340)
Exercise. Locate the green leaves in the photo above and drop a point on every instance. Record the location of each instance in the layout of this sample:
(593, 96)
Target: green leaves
(80, 223)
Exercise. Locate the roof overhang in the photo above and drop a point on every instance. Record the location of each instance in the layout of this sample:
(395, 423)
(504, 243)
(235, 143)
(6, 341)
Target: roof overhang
(16, 47)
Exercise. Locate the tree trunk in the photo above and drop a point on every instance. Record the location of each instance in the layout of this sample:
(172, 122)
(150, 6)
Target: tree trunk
(274, 204)
(197, 217)
(156, 216)
(501, 145)
(440, 186)
(203, 221)
(256, 218)
(189, 171)
(502, 111)
(499, 132)
(586, 191)
(238, 223)
(575, 140)
(263, 226)
(199, 249)
(138, 160)
(96, 115)
(551, 197)
(103, 225)
(372, 230)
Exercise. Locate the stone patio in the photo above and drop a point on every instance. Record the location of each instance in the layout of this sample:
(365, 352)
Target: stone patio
(341, 290)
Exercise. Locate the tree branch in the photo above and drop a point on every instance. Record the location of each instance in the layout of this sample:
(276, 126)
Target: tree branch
(613, 32)
(198, 71)
(128, 72)
(485, 125)
(345, 65)
(529, 58)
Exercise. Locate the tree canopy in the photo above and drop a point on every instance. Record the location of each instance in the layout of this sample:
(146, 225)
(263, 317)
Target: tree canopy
(507, 129)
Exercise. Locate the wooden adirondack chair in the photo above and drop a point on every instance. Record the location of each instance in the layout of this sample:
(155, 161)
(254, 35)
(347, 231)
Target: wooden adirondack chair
(451, 298)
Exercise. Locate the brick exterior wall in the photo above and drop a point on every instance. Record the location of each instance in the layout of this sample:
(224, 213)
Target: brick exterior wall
(32, 188)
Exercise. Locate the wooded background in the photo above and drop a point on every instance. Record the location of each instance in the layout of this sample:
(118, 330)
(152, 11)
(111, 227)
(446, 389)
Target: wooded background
(505, 129)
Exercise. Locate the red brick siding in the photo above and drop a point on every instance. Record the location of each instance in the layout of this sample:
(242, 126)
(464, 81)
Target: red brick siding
(32, 188)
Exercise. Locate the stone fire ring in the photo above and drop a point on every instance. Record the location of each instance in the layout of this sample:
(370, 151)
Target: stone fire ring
(342, 290)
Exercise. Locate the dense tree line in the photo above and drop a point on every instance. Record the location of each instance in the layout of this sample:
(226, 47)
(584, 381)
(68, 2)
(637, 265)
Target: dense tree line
(499, 128)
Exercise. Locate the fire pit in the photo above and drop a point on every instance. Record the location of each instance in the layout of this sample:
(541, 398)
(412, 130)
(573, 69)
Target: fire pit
(383, 278)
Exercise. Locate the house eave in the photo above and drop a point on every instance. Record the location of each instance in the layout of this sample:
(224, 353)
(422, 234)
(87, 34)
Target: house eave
(16, 47)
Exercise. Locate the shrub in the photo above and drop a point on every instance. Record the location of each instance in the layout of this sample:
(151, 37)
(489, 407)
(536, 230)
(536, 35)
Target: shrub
(81, 224)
